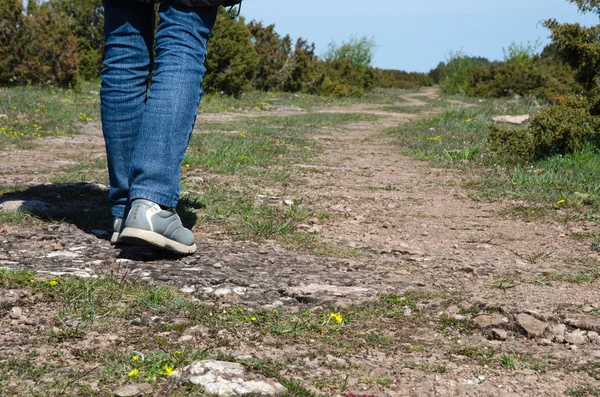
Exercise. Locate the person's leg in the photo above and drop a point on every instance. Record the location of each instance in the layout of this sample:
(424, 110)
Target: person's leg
(165, 130)
(172, 104)
(129, 33)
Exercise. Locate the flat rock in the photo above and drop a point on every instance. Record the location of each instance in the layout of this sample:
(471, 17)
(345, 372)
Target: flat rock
(521, 119)
(577, 337)
(533, 327)
(498, 334)
(490, 321)
(23, 205)
(588, 322)
(228, 379)
(127, 391)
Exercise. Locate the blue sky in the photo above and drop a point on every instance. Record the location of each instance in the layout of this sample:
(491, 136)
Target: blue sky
(415, 36)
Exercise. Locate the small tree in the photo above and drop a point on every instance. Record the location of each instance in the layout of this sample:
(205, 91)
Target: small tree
(48, 49)
(232, 60)
(520, 54)
(359, 51)
(11, 22)
(86, 21)
(273, 53)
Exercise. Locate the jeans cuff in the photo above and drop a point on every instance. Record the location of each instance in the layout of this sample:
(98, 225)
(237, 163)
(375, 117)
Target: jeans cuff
(166, 200)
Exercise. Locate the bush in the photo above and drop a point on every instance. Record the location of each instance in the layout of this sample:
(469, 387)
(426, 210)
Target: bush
(543, 80)
(232, 60)
(11, 22)
(273, 53)
(566, 127)
(86, 22)
(455, 74)
(301, 71)
(47, 49)
(401, 79)
(347, 68)
(342, 78)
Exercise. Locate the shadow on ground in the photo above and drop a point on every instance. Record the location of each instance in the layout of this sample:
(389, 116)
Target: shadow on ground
(84, 205)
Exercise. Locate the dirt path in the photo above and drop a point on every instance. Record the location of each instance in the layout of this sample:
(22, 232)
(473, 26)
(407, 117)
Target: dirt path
(414, 228)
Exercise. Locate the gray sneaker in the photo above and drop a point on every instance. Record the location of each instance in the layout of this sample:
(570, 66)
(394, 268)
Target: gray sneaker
(117, 228)
(148, 223)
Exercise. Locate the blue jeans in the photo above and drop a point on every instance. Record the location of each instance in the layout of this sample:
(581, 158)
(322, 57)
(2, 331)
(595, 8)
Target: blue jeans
(147, 129)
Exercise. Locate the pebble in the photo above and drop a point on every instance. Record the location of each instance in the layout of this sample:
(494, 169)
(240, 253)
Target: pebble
(577, 337)
(218, 265)
(498, 334)
(15, 312)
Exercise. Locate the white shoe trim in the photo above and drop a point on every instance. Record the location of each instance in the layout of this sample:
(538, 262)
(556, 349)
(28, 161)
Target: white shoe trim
(130, 234)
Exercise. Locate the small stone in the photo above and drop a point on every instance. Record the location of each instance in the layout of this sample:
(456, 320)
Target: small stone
(587, 309)
(15, 312)
(577, 337)
(14, 323)
(490, 321)
(522, 119)
(188, 289)
(407, 312)
(544, 342)
(533, 327)
(573, 348)
(558, 329)
(588, 322)
(127, 391)
(559, 339)
(593, 337)
(64, 254)
(498, 334)
(137, 321)
(145, 388)
(229, 379)
(218, 265)
(186, 339)
(222, 292)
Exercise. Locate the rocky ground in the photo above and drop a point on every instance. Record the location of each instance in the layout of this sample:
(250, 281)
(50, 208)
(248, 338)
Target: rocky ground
(499, 305)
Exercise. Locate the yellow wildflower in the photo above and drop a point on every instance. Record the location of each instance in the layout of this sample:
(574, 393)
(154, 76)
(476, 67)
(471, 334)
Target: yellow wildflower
(177, 352)
(559, 202)
(253, 319)
(133, 372)
(135, 358)
(468, 120)
(337, 317)
(53, 282)
(168, 370)
(187, 166)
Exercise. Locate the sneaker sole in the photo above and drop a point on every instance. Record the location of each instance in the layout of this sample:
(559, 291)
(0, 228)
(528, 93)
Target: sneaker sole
(145, 237)
(114, 239)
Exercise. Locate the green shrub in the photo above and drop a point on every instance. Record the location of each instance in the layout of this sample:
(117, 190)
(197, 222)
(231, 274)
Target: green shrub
(273, 52)
(11, 20)
(47, 50)
(342, 78)
(86, 22)
(539, 79)
(232, 60)
(566, 127)
(515, 145)
(401, 79)
(455, 74)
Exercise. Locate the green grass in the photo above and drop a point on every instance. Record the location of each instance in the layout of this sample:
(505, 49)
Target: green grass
(458, 138)
(583, 391)
(250, 146)
(32, 113)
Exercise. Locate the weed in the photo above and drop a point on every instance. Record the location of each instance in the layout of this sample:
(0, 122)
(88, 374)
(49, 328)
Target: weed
(583, 391)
